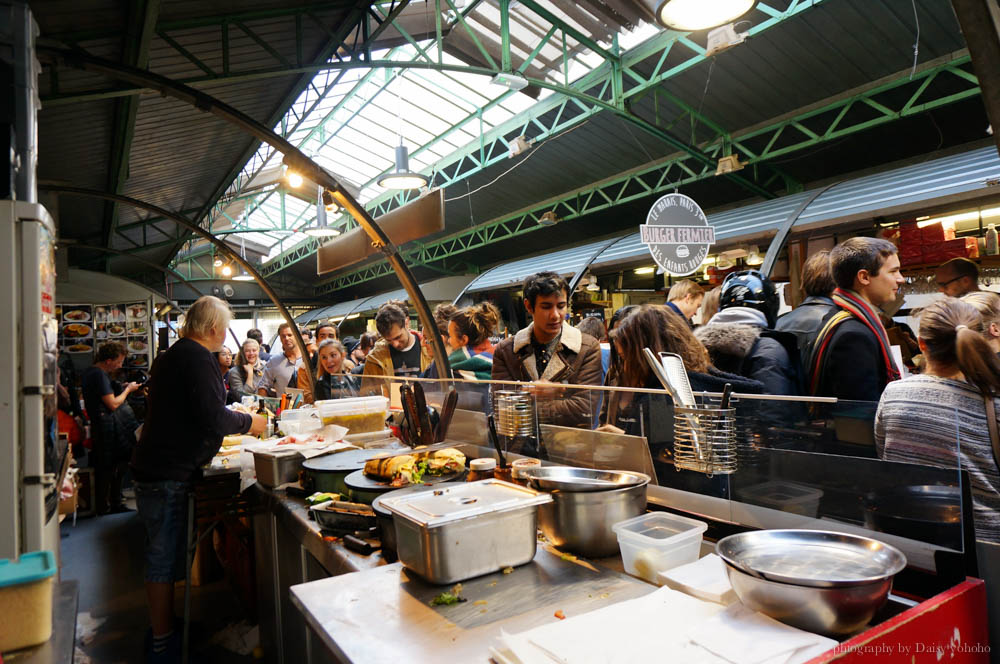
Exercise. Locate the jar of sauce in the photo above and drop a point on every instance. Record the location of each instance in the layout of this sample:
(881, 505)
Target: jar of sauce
(519, 466)
(481, 469)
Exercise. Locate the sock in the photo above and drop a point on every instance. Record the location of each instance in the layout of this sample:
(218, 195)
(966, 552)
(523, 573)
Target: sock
(160, 642)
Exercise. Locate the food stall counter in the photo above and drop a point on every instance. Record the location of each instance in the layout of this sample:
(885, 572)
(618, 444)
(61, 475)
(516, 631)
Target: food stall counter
(343, 609)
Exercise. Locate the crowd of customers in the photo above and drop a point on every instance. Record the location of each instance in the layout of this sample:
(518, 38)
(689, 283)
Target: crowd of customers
(835, 343)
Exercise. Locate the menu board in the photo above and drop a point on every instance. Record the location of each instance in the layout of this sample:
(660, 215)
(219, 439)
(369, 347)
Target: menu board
(84, 327)
(76, 330)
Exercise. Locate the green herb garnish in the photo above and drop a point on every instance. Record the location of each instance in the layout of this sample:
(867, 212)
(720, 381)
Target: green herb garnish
(446, 599)
(418, 472)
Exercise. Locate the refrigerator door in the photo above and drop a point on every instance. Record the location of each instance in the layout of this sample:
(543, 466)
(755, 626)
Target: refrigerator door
(28, 355)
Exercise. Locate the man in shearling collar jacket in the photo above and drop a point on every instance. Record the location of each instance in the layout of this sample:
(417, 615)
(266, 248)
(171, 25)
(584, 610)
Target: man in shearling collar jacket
(550, 352)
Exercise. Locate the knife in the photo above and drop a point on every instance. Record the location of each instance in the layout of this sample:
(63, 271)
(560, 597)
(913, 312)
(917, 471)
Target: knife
(426, 430)
(447, 411)
(412, 421)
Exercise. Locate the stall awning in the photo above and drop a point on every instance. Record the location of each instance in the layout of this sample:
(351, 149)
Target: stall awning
(438, 290)
(566, 262)
(953, 179)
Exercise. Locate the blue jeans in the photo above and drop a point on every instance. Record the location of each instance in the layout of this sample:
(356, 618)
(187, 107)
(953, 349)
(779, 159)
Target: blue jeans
(162, 508)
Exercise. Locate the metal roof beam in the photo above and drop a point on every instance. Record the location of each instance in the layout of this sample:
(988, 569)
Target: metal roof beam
(819, 123)
(142, 22)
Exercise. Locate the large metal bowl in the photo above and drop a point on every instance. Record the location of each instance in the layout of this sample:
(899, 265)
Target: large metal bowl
(824, 582)
(568, 478)
(581, 522)
(833, 612)
(818, 558)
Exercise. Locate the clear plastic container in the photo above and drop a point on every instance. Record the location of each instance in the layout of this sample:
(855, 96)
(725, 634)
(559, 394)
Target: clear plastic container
(788, 497)
(26, 600)
(658, 541)
(358, 415)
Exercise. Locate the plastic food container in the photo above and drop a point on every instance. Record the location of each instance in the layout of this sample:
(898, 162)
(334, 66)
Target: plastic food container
(461, 531)
(658, 541)
(299, 421)
(26, 600)
(358, 415)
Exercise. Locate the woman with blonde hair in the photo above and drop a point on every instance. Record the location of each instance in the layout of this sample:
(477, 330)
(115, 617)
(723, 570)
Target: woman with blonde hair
(248, 369)
(987, 303)
(332, 382)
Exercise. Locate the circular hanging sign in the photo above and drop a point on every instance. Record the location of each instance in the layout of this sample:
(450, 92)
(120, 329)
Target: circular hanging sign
(677, 234)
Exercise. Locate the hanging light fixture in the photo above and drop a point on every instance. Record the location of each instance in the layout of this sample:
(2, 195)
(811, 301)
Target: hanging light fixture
(402, 177)
(753, 256)
(243, 276)
(217, 262)
(321, 229)
(592, 286)
(692, 15)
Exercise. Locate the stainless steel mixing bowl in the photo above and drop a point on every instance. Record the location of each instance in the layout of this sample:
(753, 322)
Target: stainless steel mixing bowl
(820, 581)
(581, 522)
(833, 612)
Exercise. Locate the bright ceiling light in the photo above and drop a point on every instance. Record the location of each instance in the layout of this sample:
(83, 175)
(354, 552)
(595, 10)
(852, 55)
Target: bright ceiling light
(294, 179)
(353, 316)
(217, 262)
(243, 276)
(692, 15)
(645, 270)
(320, 231)
(227, 271)
(402, 178)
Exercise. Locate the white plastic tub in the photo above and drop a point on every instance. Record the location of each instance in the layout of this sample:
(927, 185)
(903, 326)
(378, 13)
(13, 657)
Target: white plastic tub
(655, 542)
(26, 600)
(358, 415)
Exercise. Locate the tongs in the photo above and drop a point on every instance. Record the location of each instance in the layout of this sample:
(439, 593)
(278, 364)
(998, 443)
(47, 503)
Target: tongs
(675, 381)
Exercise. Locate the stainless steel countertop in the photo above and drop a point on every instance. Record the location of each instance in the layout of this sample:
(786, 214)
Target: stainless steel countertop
(293, 514)
(384, 614)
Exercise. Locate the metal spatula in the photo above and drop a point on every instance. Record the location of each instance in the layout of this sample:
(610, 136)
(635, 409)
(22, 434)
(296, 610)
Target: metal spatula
(680, 393)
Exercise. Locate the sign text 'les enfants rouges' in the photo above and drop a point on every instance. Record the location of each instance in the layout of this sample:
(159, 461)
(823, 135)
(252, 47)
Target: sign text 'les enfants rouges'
(677, 234)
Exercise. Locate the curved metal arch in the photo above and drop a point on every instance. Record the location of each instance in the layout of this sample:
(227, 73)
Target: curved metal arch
(294, 158)
(198, 230)
(778, 242)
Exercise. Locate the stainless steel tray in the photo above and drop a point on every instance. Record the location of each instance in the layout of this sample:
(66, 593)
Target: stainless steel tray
(578, 480)
(815, 558)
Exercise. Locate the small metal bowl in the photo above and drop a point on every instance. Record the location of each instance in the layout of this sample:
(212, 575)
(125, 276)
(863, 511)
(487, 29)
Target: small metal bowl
(579, 480)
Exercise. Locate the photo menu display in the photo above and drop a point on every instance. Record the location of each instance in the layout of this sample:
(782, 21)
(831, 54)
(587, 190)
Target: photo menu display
(84, 327)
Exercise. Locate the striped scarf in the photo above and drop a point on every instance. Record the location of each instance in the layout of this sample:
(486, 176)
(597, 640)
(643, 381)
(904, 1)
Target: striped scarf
(851, 305)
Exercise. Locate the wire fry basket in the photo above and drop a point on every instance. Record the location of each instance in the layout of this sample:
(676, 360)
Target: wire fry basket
(705, 440)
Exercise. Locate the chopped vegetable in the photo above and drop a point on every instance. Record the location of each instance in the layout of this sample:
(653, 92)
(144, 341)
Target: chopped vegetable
(449, 598)
(508, 570)
(566, 556)
(479, 602)
(446, 599)
(322, 497)
(560, 615)
(418, 472)
(329, 538)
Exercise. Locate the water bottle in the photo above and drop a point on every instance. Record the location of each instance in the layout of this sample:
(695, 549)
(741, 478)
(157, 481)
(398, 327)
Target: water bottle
(992, 248)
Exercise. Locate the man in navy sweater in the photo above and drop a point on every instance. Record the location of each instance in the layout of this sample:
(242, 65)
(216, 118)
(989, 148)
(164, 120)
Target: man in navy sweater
(185, 423)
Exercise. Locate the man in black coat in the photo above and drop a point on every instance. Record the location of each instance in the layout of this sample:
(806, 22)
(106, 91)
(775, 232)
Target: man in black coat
(851, 357)
(806, 320)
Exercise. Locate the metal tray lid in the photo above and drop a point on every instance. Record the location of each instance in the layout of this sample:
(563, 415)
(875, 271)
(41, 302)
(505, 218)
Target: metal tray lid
(463, 501)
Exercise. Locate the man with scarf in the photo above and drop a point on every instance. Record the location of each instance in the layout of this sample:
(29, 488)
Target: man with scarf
(851, 357)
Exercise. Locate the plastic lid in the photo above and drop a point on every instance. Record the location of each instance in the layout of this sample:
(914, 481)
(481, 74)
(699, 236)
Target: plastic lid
(31, 567)
(483, 464)
(445, 505)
